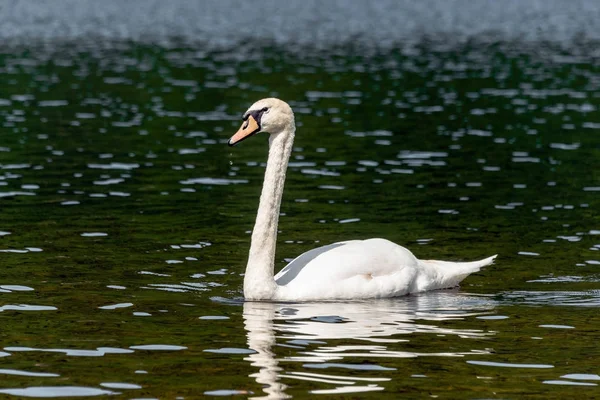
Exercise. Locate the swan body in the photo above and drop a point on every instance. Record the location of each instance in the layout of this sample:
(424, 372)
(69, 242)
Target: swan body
(359, 269)
(351, 270)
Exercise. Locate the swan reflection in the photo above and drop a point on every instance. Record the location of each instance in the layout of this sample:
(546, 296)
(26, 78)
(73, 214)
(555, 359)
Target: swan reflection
(311, 329)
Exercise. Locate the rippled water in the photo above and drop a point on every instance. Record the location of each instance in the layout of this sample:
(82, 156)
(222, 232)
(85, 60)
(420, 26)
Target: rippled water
(457, 130)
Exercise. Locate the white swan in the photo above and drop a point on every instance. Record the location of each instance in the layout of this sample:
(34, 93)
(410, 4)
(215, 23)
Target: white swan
(355, 269)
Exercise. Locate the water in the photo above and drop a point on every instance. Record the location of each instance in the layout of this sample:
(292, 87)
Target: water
(457, 130)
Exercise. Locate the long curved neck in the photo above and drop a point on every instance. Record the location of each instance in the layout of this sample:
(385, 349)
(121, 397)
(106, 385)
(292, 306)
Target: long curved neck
(258, 280)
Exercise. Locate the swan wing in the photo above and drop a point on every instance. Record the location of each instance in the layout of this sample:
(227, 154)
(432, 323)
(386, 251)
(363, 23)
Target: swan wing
(361, 268)
(291, 271)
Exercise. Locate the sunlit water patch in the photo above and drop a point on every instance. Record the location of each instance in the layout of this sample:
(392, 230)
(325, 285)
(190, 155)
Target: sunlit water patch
(16, 288)
(27, 373)
(99, 352)
(26, 307)
(509, 365)
(58, 391)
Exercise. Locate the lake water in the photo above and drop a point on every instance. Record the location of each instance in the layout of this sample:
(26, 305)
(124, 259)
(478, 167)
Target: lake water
(458, 130)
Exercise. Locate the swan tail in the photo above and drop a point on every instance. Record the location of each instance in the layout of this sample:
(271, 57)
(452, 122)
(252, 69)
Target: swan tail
(471, 266)
(448, 274)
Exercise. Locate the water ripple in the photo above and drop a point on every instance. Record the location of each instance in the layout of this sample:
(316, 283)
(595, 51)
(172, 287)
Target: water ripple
(27, 373)
(26, 307)
(58, 391)
(509, 365)
(589, 298)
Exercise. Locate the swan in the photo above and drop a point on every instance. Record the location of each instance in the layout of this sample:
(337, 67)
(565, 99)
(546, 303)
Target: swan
(349, 270)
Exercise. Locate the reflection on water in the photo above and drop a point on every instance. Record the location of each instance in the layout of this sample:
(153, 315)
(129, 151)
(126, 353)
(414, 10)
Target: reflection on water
(379, 328)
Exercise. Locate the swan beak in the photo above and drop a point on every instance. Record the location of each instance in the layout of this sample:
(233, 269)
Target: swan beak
(248, 128)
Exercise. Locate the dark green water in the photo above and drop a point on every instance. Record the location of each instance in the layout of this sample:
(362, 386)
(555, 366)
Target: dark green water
(125, 219)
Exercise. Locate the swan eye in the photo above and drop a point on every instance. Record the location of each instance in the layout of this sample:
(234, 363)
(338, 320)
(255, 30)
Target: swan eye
(256, 114)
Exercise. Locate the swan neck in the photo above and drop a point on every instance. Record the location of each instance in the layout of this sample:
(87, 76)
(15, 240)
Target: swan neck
(258, 281)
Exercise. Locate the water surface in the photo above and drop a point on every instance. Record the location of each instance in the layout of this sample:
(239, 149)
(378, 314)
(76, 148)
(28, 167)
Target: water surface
(126, 218)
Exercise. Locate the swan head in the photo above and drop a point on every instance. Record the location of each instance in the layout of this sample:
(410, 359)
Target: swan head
(267, 115)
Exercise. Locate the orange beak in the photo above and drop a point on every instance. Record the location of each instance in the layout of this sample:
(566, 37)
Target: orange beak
(248, 128)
